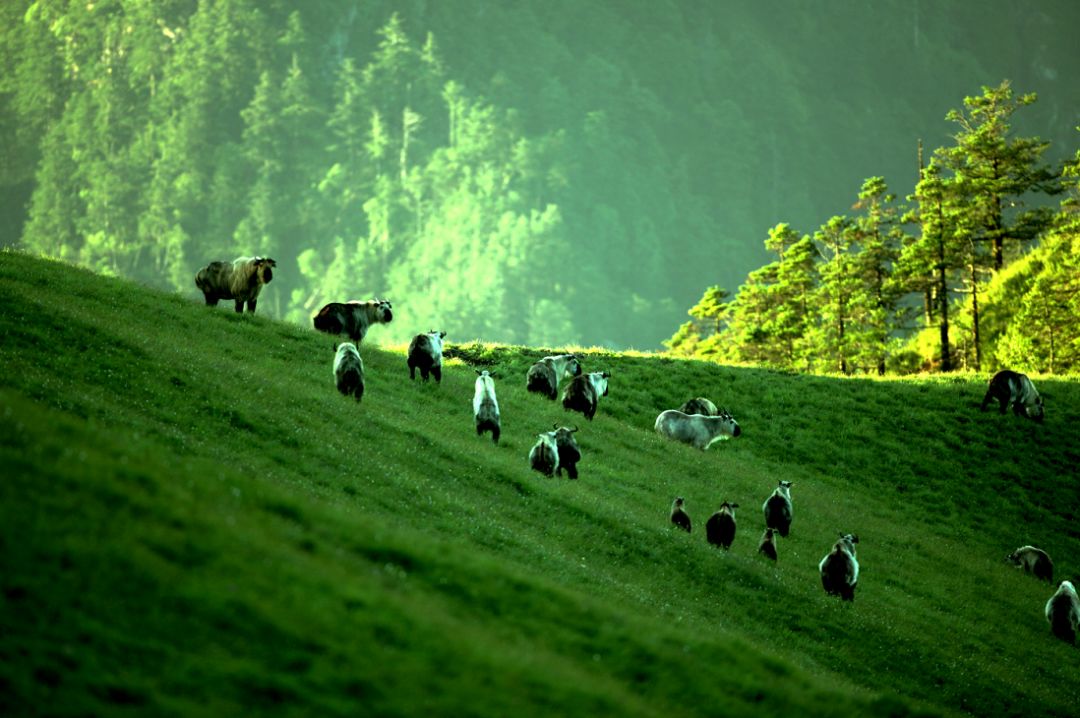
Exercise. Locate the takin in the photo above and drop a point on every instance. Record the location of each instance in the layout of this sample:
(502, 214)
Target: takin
(777, 509)
(353, 318)
(720, 528)
(1063, 612)
(485, 406)
(569, 451)
(840, 569)
(240, 280)
(425, 354)
(698, 430)
(700, 405)
(1016, 390)
(544, 375)
(679, 517)
(767, 546)
(1034, 561)
(544, 455)
(349, 371)
(584, 392)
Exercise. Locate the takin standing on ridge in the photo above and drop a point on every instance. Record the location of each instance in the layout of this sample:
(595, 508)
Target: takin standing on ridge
(485, 406)
(349, 371)
(679, 517)
(544, 455)
(352, 318)
(425, 354)
(240, 280)
(840, 569)
(544, 375)
(1016, 390)
(700, 405)
(778, 510)
(1063, 612)
(767, 546)
(1034, 561)
(698, 430)
(584, 392)
(720, 528)
(568, 449)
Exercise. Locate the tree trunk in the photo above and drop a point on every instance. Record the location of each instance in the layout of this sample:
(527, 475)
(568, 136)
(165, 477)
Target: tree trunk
(975, 317)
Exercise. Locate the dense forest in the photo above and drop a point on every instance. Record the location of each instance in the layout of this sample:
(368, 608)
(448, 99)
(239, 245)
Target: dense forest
(541, 173)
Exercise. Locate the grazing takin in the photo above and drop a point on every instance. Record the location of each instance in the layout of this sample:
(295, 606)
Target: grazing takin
(720, 528)
(777, 509)
(698, 430)
(544, 455)
(425, 354)
(349, 371)
(1034, 561)
(1063, 612)
(544, 375)
(485, 406)
(840, 569)
(240, 280)
(569, 451)
(1013, 389)
(679, 517)
(700, 405)
(352, 318)
(584, 392)
(767, 547)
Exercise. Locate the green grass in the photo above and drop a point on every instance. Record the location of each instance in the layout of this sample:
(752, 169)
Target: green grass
(194, 522)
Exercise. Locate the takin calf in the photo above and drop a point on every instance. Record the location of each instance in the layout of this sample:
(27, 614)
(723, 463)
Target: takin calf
(720, 528)
(767, 546)
(544, 455)
(240, 280)
(679, 517)
(700, 405)
(485, 406)
(1015, 390)
(1034, 561)
(778, 510)
(1063, 612)
(584, 392)
(425, 354)
(349, 371)
(352, 318)
(840, 569)
(569, 451)
(698, 430)
(544, 375)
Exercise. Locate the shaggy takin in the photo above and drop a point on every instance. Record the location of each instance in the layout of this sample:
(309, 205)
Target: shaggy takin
(352, 318)
(1015, 390)
(679, 517)
(485, 406)
(698, 430)
(777, 509)
(720, 528)
(1034, 561)
(349, 371)
(544, 375)
(584, 392)
(569, 451)
(240, 280)
(425, 354)
(1063, 612)
(544, 455)
(767, 546)
(700, 405)
(840, 569)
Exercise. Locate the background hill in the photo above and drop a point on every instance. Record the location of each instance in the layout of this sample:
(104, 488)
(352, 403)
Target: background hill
(194, 522)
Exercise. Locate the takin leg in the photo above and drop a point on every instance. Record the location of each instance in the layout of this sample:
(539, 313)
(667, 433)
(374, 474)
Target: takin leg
(436, 372)
(251, 305)
(211, 299)
(239, 306)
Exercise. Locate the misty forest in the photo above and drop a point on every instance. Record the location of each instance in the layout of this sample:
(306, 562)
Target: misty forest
(837, 187)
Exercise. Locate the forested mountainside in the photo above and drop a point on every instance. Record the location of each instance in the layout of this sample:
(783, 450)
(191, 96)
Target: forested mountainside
(535, 172)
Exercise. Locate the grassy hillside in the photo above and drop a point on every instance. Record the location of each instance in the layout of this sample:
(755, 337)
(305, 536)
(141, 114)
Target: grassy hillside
(195, 523)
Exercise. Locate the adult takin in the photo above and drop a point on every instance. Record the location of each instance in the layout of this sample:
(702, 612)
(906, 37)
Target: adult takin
(544, 376)
(569, 451)
(698, 430)
(240, 280)
(679, 517)
(544, 455)
(1034, 561)
(353, 318)
(720, 528)
(425, 354)
(840, 569)
(584, 392)
(486, 406)
(1063, 612)
(349, 371)
(700, 405)
(778, 509)
(1016, 390)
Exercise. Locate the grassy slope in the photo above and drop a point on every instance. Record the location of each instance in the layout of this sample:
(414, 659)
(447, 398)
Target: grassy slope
(194, 521)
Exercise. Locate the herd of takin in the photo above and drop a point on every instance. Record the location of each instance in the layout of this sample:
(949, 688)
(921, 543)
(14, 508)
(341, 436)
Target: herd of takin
(698, 423)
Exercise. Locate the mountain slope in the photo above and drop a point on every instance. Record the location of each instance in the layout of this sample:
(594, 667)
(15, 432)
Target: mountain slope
(195, 522)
